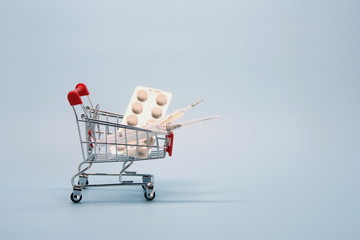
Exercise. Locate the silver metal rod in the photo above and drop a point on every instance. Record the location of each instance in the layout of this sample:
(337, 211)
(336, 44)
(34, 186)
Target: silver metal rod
(117, 174)
(114, 184)
(78, 126)
(111, 114)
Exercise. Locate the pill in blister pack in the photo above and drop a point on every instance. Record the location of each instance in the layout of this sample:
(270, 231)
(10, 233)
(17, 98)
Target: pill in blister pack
(147, 105)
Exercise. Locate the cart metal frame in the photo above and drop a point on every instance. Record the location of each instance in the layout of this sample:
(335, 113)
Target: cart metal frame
(99, 131)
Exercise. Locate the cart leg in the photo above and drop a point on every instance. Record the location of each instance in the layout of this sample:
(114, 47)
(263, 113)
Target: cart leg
(147, 179)
(76, 195)
(83, 180)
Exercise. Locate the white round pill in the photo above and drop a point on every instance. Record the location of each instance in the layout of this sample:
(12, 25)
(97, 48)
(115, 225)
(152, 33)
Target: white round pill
(132, 120)
(137, 108)
(142, 95)
(156, 112)
(161, 100)
(142, 151)
(150, 141)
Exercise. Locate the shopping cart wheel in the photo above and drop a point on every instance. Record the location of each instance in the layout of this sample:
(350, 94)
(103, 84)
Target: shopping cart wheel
(75, 198)
(149, 196)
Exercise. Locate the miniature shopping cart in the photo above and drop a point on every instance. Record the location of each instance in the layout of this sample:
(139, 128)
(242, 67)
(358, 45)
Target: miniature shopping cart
(104, 139)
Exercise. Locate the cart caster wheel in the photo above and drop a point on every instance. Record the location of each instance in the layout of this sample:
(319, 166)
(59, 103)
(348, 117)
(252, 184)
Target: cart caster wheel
(149, 196)
(75, 198)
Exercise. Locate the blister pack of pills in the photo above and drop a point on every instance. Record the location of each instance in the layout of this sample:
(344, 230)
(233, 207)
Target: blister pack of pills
(147, 105)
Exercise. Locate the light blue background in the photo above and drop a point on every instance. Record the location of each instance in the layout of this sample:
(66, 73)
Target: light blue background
(281, 163)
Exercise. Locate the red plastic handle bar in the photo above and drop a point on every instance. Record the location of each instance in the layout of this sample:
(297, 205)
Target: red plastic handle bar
(169, 143)
(74, 96)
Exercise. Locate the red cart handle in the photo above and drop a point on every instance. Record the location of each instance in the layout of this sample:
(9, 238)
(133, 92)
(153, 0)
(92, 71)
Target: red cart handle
(169, 143)
(74, 96)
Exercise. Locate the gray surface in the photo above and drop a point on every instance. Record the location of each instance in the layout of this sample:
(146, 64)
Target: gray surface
(282, 163)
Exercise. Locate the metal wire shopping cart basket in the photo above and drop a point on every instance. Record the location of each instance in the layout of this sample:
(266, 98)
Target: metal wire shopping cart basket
(103, 139)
